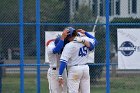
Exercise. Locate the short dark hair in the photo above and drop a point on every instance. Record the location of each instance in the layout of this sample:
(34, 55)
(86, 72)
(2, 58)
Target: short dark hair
(71, 31)
(74, 33)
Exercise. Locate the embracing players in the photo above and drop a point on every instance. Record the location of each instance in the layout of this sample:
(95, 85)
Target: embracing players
(75, 57)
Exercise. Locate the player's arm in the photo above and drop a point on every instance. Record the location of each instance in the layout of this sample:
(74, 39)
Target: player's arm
(86, 42)
(88, 35)
(66, 54)
(61, 70)
(92, 37)
(60, 44)
(89, 45)
(58, 47)
(62, 67)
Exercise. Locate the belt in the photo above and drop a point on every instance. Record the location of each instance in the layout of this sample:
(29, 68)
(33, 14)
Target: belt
(54, 68)
(79, 64)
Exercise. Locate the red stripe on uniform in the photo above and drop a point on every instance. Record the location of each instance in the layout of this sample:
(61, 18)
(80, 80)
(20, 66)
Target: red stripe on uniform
(48, 42)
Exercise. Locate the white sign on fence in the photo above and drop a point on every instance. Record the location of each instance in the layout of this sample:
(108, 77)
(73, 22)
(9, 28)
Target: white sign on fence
(52, 35)
(128, 48)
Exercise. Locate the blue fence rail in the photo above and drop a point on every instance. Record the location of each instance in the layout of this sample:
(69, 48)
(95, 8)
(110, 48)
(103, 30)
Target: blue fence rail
(38, 25)
(21, 35)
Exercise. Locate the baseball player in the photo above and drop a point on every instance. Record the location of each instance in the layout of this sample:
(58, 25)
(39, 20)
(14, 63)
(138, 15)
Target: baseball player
(75, 56)
(54, 49)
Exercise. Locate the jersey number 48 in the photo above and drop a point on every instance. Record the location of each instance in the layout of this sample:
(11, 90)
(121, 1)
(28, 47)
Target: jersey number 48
(83, 51)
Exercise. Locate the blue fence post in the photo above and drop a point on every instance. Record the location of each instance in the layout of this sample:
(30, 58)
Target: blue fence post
(21, 35)
(107, 49)
(38, 43)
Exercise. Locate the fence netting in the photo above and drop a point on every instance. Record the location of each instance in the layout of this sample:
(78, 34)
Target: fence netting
(55, 15)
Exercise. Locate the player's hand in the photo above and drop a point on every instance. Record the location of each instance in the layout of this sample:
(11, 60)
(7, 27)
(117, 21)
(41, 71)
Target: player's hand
(64, 34)
(61, 81)
(79, 39)
(81, 31)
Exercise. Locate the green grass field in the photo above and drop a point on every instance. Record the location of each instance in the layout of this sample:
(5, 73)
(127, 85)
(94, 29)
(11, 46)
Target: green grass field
(11, 84)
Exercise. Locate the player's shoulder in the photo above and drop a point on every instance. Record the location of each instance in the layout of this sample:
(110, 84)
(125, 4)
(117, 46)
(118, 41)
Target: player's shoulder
(69, 45)
(88, 39)
(49, 41)
(51, 45)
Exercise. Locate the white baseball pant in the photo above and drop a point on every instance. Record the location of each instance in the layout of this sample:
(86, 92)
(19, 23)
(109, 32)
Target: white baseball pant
(54, 86)
(78, 78)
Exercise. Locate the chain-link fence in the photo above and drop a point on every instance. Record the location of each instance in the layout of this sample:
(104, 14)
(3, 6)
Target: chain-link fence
(22, 68)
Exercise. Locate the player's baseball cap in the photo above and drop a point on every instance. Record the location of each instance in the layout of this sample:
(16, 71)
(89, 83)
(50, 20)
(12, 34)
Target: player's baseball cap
(71, 31)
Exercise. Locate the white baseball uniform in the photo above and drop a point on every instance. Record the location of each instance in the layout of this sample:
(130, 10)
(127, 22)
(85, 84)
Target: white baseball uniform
(76, 55)
(52, 74)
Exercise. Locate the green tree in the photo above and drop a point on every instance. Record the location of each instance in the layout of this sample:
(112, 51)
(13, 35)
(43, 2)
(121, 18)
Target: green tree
(9, 10)
(52, 11)
(83, 15)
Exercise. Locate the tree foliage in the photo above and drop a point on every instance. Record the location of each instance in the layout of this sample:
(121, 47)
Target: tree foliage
(83, 15)
(52, 11)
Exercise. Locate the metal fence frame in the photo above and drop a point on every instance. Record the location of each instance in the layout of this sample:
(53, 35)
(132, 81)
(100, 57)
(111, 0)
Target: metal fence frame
(38, 24)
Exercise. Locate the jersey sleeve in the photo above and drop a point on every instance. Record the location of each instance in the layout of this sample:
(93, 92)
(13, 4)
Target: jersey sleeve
(91, 41)
(92, 37)
(66, 55)
(55, 49)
